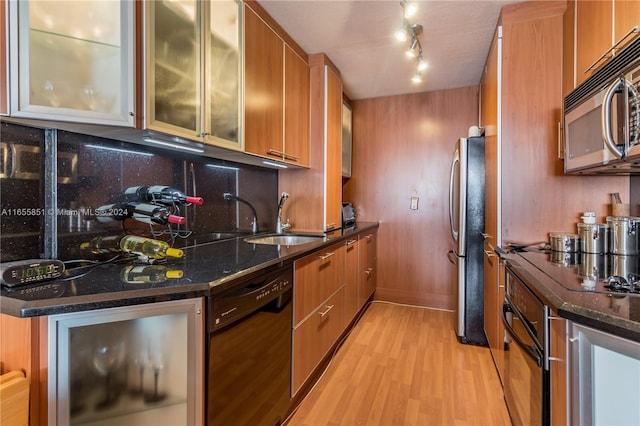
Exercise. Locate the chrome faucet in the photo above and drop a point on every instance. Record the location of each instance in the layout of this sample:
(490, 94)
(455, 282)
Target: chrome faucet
(254, 224)
(280, 227)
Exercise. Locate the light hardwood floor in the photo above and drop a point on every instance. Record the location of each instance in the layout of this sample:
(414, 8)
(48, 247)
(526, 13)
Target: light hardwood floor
(403, 365)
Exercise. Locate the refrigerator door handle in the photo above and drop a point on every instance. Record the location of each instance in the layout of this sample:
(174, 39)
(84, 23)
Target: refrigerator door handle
(456, 160)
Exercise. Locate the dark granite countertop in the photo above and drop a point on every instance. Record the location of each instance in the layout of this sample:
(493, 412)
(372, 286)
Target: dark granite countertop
(562, 286)
(207, 269)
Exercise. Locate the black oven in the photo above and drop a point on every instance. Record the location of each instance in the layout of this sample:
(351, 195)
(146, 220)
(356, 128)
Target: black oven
(526, 366)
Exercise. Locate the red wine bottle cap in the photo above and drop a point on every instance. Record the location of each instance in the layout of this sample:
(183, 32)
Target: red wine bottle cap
(198, 201)
(176, 219)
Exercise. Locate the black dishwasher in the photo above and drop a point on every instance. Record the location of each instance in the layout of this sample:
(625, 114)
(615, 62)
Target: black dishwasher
(249, 351)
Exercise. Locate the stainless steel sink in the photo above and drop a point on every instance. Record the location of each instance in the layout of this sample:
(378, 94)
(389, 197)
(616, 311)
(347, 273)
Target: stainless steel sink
(284, 239)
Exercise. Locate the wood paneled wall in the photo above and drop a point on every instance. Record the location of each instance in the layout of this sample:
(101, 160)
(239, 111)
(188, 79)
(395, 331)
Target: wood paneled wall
(402, 148)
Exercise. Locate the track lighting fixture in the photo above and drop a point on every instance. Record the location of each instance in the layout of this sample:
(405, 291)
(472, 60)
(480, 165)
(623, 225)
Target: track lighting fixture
(422, 65)
(401, 34)
(411, 32)
(408, 9)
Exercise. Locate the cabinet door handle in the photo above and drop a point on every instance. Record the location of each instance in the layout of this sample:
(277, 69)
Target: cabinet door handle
(326, 256)
(326, 311)
(276, 153)
(490, 253)
(368, 271)
(291, 157)
(203, 134)
(560, 141)
(351, 242)
(616, 46)
(331, 225)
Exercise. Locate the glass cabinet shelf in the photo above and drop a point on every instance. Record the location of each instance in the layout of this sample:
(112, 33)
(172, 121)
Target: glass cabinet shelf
(86, 87)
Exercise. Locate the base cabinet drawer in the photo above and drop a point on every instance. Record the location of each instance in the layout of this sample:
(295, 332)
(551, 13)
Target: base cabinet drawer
(317, 277)
(315, 336)
(367, 248)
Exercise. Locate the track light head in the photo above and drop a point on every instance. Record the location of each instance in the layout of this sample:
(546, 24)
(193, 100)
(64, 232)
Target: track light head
(409, 8)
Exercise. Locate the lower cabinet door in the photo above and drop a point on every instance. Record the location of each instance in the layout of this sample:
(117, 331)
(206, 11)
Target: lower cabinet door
(351, 281)
(366, 283)
(315, 336)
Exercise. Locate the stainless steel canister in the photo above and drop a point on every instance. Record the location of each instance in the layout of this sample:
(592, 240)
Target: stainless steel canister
(624, 234)
(594, 237)
(567, 243)
(622, 266)
(594, 266)
(564, 258)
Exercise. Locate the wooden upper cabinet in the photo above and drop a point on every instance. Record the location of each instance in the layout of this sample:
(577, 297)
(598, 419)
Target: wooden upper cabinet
(626, 16)
(264, 87)
(333, 175)
(315, 204)
(276, 95)
(598, 26)
(593, 34)
(296, 108)
(568, 46)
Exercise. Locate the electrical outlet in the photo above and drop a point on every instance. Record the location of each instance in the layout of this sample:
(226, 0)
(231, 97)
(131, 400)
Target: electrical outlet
(414, 203)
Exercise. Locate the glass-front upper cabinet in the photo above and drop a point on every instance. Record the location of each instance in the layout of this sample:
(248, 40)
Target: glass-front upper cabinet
(72, 61)
(193, 75)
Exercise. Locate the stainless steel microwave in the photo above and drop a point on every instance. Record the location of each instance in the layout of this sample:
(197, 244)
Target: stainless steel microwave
(602, 118)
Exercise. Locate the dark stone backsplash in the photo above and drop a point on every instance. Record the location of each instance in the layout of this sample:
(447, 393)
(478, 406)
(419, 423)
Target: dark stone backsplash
(92, 172)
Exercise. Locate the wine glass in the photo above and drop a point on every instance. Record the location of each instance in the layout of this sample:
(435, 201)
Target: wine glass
(138, 360)
(107, 357)
(79, 370)
(156, 364)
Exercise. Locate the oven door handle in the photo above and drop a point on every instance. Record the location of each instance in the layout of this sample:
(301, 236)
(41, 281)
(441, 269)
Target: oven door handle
(533, 351)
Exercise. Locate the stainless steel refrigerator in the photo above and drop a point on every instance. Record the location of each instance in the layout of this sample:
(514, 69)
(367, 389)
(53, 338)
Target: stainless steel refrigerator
(466, 218)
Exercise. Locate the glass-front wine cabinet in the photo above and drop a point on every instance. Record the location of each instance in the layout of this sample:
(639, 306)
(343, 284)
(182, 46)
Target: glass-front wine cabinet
(136, 365)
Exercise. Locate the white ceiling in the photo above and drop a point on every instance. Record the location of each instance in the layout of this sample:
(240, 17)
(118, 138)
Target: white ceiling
(358, 38)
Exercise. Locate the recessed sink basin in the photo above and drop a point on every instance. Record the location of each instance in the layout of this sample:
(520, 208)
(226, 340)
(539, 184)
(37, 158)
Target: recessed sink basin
(283, 239)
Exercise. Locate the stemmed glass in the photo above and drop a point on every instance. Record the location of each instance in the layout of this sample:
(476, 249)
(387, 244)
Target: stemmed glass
(156, 363)
(138, 360)
(107, 357)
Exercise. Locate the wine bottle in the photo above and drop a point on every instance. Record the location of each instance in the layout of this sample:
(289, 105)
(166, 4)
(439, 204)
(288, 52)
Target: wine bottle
(103, 245)
(135, 274)
(143, 212)
(160, 194)
(134, 244)
(114, 212)
(148, 247)
(155, 215)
